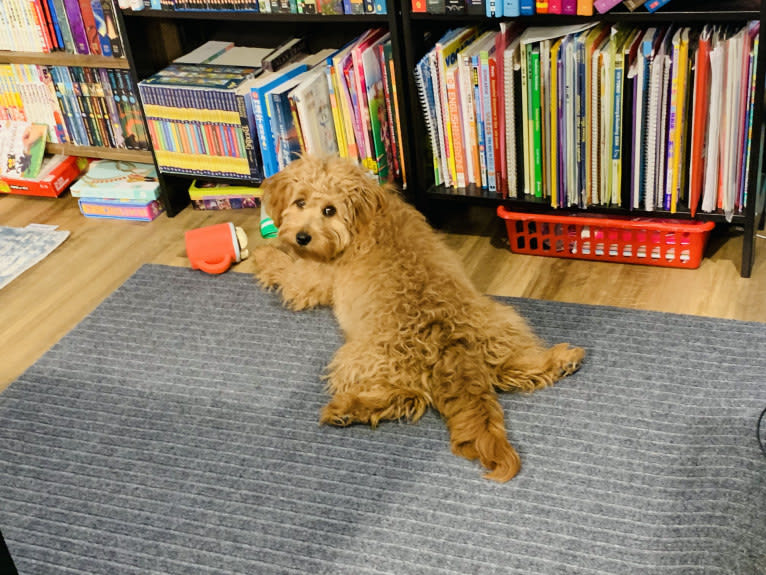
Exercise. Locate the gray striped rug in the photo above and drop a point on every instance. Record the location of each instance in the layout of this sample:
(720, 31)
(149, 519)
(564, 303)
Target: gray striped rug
(175, 431)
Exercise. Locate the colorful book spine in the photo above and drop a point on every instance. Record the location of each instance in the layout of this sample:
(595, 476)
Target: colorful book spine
(603, 6)
(526, 7)
(77, 27)
(120, 210)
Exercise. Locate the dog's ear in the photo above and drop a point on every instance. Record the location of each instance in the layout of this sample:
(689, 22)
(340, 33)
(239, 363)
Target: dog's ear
(367, 198)
(277, 195)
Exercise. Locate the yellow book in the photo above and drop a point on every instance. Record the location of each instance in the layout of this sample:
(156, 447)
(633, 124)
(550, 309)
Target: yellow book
(680, 117)
(446, 58)
(340, 133)
(554, 120)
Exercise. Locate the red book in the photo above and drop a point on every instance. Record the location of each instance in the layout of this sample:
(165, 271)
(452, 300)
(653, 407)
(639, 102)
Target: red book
(554, 6)
(418, 6)
(699, 120)
(91, 30)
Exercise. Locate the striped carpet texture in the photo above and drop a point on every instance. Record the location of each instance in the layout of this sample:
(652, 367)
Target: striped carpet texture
(175, 431)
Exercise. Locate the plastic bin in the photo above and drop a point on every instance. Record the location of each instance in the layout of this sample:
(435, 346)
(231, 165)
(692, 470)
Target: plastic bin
(649, 241)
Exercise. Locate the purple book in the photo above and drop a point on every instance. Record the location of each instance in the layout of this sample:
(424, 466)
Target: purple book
(604, 6)
(569, 6)
(76, 26)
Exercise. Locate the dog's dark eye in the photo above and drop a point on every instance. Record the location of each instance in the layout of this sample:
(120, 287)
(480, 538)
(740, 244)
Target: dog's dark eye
(329, 211)
(300, 203)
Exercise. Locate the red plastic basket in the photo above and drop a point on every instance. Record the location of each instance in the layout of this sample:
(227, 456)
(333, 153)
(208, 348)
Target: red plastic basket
(649, 241)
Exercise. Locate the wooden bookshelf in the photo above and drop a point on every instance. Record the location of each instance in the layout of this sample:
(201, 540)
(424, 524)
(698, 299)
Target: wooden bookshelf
(63, 59)
(100, 153)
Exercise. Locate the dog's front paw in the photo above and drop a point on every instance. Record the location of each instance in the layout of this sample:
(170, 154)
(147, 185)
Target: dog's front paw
(330, 415)
(571, 359)
(271, 265)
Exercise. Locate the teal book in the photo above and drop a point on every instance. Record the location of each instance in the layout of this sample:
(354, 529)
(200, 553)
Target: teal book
(118, 180)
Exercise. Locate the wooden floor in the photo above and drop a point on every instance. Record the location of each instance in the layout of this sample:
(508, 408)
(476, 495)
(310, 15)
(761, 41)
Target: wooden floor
(45, 302)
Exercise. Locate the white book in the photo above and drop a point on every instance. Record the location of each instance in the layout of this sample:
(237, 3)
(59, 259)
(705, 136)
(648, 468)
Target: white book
(241, 56)
(512, 64)
(710, 189)
(312, 103)
(205, 52)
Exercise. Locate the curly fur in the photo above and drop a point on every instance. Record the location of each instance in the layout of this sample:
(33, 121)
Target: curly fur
(418, 333)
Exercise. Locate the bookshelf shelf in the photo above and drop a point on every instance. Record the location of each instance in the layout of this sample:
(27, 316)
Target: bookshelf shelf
(100, 153)
(425, 29)
(63, 59)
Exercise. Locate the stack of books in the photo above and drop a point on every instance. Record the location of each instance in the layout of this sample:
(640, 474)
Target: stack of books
(78, 27)
(654, 118)
(200, 121)
(119, 190)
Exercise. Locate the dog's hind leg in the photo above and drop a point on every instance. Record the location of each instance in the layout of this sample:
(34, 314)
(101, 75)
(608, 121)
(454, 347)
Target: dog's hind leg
(464, 396)
(537, 367)
(367, 387)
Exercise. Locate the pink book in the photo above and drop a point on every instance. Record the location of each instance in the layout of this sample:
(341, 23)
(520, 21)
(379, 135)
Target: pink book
(603, 6)
(554, 6)
(569, 6)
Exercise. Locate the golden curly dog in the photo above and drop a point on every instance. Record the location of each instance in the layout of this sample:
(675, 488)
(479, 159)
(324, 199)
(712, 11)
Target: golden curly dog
(418, 333)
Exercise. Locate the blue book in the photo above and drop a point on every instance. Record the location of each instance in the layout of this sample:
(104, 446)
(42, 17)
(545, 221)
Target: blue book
(103, 38)
(654, 5)
(261, 110)
(55, 22)
(527, 7)
(286, 140)
(511, 8)
(494, 8)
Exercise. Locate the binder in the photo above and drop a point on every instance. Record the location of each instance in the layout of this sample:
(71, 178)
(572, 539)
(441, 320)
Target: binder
(700, 102)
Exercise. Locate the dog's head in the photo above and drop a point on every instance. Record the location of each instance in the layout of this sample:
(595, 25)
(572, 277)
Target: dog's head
(320, 204)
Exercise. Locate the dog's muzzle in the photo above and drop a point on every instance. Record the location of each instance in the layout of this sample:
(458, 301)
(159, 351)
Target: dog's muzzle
(302, 238)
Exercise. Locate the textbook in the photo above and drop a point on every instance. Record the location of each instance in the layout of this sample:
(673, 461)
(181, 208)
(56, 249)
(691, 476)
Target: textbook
(119, 180)
(115, 209)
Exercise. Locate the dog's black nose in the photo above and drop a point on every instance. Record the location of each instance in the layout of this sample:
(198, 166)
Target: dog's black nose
(302, 238)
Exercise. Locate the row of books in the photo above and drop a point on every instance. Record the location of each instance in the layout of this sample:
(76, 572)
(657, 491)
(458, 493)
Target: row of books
(82, 106)
(327, 7)
(75, 26)
(594, 115)
(247, 123)
(513, 8)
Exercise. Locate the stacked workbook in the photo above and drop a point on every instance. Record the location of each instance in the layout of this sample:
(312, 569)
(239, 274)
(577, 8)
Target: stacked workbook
(213, 120)
(652, 118)
(118, 190)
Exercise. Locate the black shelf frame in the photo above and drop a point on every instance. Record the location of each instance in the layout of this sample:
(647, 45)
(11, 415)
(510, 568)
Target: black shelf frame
(427, 28)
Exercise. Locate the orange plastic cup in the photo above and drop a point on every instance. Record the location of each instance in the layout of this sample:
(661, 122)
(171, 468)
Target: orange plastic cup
(213, 249)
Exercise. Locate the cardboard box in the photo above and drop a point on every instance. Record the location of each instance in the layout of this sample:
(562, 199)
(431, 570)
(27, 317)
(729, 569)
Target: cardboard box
(56, 175)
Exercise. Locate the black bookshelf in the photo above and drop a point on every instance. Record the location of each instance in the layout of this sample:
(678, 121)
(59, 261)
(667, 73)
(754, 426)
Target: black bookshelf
(425, 29)
(155, 37)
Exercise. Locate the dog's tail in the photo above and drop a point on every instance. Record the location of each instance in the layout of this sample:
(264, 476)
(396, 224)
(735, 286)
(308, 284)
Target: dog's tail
(475, 420)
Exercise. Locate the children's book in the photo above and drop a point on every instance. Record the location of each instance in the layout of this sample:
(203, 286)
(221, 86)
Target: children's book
(262, 110)
(22, 147)
(117, 209)
(118, 180)
(312, 102)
